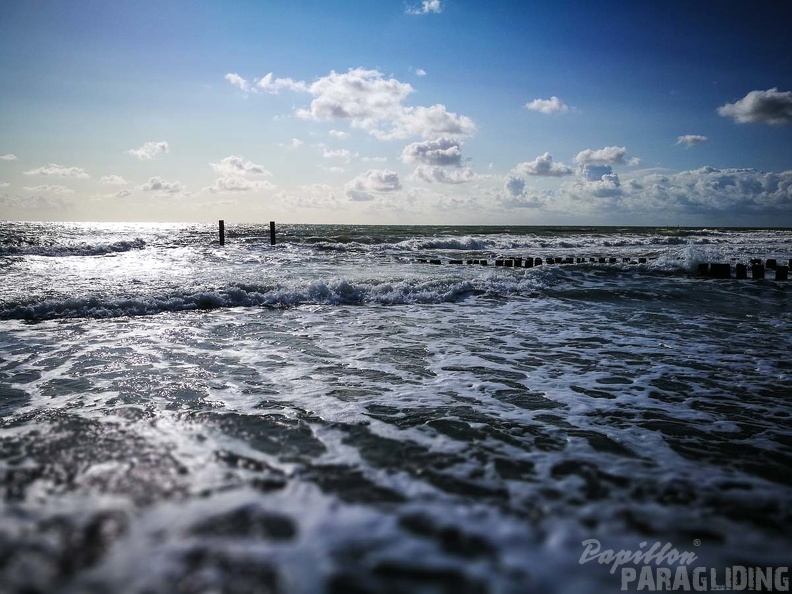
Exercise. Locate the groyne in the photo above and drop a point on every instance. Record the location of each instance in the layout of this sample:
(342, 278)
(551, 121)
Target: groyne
(754, 269)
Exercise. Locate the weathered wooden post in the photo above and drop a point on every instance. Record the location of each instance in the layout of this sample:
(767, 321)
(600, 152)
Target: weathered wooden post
(741, 271)
(720, 270)
(221, 229)
(771, 263)
(782, 273)
(757, 271)
(272, 232)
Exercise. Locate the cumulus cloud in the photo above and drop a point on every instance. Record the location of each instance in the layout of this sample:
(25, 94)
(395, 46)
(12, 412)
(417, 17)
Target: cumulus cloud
(123, 193)
(150, 150)
(594, 173)
(514, 185)
(374, 181)
(369, 102)
(161, 186)
(232, 183)
(431, 174)
(707, 191)
(715, 191)
(420, 72)
(47, 189)
(338, 134)
(765, 107)
(599, 181)
(443, 152)
(610, 155)
(689, 140)
(426, 7)
(116, 180)
(543, 166)
(53, 170)
(236, 166)
(8, 157)
(547, 106)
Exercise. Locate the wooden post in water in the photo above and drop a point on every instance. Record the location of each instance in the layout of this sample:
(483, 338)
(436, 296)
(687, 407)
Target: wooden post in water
(720, 270)
(782, 273)
(741, 271)
(272, 232)
(221, 228)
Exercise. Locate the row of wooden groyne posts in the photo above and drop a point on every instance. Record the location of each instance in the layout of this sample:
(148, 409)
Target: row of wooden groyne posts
(758, 268)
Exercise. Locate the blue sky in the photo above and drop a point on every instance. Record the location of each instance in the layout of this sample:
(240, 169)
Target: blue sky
(379, 111)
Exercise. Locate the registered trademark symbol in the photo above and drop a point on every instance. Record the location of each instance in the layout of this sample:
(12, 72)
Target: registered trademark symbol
(696, 542)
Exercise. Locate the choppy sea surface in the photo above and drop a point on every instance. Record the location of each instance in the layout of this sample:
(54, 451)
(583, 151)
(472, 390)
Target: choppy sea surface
(330, 415)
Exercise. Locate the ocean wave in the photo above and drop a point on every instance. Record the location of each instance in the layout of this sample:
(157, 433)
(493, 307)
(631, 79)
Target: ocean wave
(320, 292)
(81, 249)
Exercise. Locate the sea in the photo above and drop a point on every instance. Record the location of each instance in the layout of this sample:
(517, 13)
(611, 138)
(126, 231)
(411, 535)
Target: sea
(336, 413)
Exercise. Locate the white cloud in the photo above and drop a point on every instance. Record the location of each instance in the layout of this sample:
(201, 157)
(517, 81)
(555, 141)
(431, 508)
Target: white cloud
(547, 106)
(610, 155)
(269, 84)
(113, 180)
(594, 173)
(4, 184)
(150, 150)
(514, 185)
(765, 107)
(369, 102)
(427, 122)
(420, 72)
(8, 157)
(543, 166)
(123, 193)
(53, 170)
(689, 140)
(374, 181)
(426, 7)
(431, 174)
(442, 152)
(343, 154)
(374, 159)
(47, 189)
(237, 81)
(233, 183)
(707, 191)
(236, 166)
(161, 186)
(338, 134)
